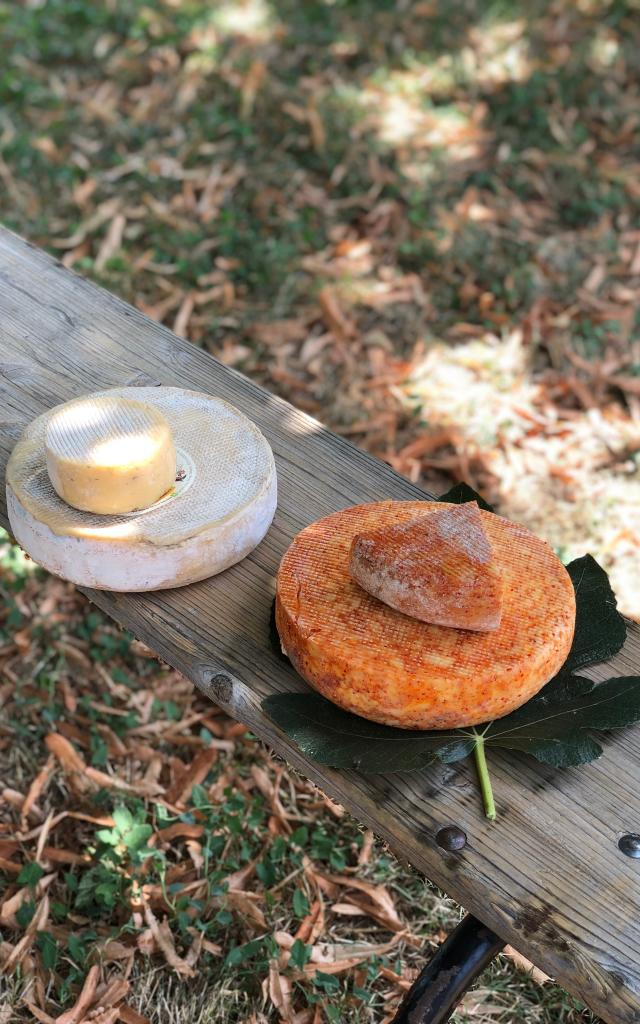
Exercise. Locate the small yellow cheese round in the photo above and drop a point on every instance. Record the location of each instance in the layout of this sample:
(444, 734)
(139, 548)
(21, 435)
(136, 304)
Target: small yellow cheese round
(110, 455)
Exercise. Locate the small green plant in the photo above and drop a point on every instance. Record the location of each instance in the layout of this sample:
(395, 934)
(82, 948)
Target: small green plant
(120, 856)
(129, 836)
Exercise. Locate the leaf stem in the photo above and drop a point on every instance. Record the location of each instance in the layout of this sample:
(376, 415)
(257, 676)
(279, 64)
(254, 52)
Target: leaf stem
(485, 781)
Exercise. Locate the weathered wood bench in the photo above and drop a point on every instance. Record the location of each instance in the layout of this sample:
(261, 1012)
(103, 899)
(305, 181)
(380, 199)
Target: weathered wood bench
(548, 876)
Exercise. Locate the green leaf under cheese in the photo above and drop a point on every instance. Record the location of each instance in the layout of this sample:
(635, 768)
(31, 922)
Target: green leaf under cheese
(331, 736)
(600, 628)
(554, 727)
(462, 493)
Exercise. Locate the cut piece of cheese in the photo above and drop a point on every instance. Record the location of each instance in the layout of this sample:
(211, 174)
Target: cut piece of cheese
(438, 568)
(383, 665)
(110, 454)
(218, 510)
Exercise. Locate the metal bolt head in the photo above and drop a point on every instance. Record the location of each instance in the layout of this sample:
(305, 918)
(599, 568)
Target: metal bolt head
(629, 844)
(451, 838)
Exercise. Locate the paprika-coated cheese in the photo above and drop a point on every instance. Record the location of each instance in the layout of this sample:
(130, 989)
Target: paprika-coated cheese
(386, 666)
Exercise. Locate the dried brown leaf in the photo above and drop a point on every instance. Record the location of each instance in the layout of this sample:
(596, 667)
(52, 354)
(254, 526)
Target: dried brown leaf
(10, 866)
(140, 788)
(196, 773)
(106, 1017)
(146, 942)
(374, 900)
(238, 879)
(104, 212)
(398, 980)
(11, 905)
(68, 757)
(316, 125)
(14, 798)
(130, 1016)
(319, 881)
(180, 830)
(39, 1014)
(244, 903)
(164, 940)
(336, 958)
(535, 973)
(279, 988)
(47, 825)
(212, 947)
(250, 86)
(336, 320)
(114, 950)
(366, 850)
(312, 925)
(181, 321)
(348, 910)
(111, 993)
(58, 856)
(83, 191)
(283, 939)
(21, 949)
(84, 1000)
(111, 242)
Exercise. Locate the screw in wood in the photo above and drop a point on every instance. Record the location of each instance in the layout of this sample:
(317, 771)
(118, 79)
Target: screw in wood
(629, 844)
(451, 838)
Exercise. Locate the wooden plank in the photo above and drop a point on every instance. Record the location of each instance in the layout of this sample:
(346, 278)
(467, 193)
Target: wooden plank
(548, 875)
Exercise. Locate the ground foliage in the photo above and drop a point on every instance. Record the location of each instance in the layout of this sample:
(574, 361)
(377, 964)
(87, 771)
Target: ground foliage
(157, 865)
(419, 222)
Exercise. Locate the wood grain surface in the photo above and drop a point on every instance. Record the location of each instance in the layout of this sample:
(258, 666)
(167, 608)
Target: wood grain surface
(548, 875)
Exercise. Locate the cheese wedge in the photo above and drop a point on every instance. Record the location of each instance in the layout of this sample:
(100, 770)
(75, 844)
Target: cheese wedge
(383, 665)
(110, 455)
(438, 568)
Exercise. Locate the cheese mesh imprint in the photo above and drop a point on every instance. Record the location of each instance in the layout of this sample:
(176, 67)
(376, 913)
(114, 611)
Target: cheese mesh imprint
(231, 458)
(78, 429)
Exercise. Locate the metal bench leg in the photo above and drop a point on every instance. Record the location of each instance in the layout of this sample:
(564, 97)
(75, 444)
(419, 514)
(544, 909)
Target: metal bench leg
(451, 971)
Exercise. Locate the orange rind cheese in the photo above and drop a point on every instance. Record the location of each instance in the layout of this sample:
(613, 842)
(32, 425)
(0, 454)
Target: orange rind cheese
(381, 664)
(438, 568)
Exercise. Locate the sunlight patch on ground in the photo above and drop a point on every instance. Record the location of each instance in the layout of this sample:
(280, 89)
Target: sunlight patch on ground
(475, 384)
(497, 53)
(605, 49)
(399, 104)
(401, 121)
(243, 17)
(249, 20)
(565, 474)
(404, 120)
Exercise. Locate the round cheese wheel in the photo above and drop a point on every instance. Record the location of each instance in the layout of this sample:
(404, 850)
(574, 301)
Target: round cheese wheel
(110, 455)
(219, 508)
(388, 667)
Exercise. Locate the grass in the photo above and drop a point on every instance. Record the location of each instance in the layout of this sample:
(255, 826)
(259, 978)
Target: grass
(291, 100)
(189, 816)
(445, 179)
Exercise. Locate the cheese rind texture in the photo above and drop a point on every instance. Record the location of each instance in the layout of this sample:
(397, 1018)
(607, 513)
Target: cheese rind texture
(109, 455)
(110, 564)
(214, 516)
(438, 568)
(385, 666)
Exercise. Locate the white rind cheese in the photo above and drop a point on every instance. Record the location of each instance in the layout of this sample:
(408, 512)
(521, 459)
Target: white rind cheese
(219, 510)
(110, 455)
